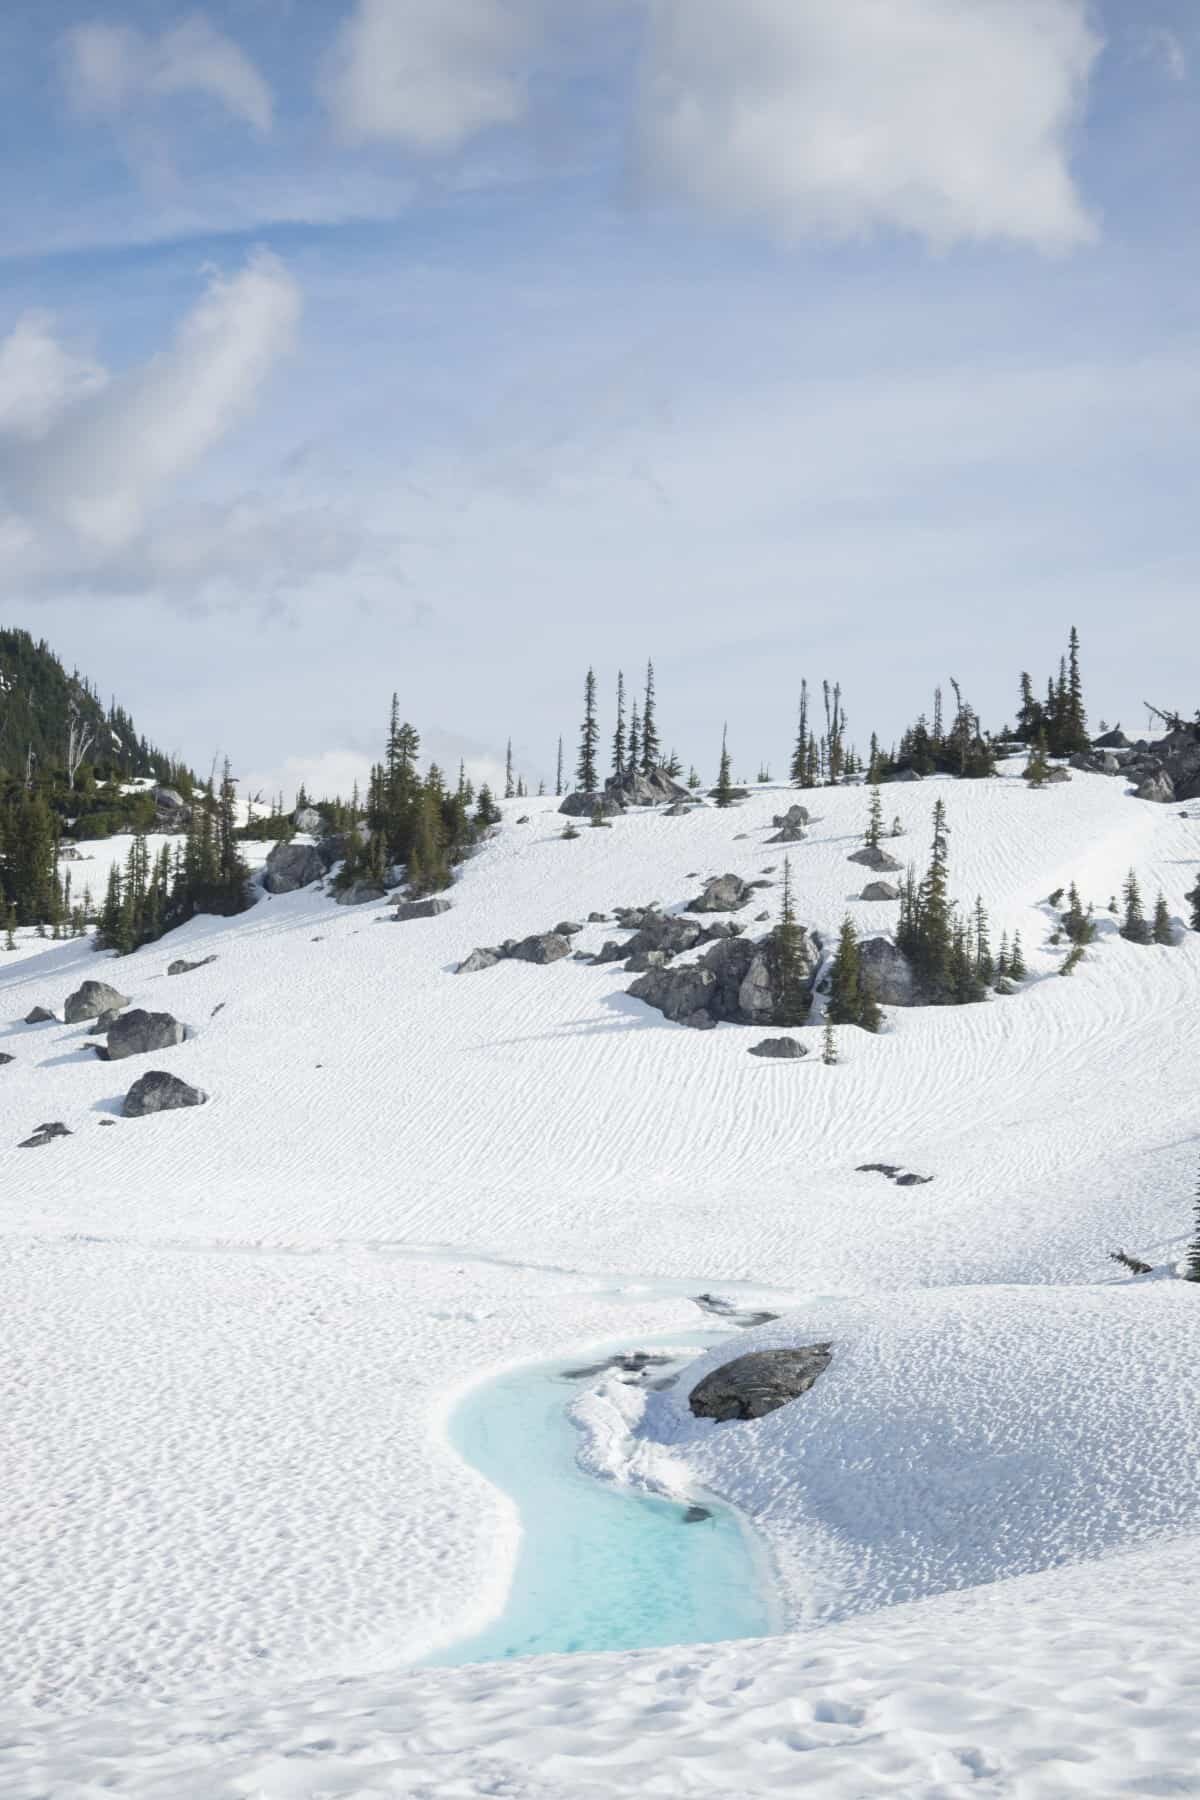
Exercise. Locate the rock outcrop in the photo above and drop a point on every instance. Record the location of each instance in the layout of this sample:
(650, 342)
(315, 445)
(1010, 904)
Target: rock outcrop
(180, 967)
(722, 893)
(888, 973)
(309, 820)
(779, 1049)
(45, 1134)
(880, 890)
(432, 908)
(92, 999)
(361, 893)
(545, 947)
(291, 867)
(40, 1016)
(735, 982)
(137, 1033)
(156, 1092)
(873, 856)
(620, 793)
(759, 1383)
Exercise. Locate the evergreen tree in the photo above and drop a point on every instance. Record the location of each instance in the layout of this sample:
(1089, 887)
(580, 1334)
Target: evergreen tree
(791, 969)
(851, 1001)
(829, 1049)
(799, 771)
(585, 774)
(1161, 930)
(673, 767)
(1134, 926)
(1002, 960)
(634, 752)
(1037, 769)
(509, 784)
(985, 966)
(1078, 924)
(651, 748)
(694, 781)
(486, 811)
(1194, 897)
(558, 772)
(1073, 732)
(1029, 714)
(723, 792)
(874, 819)
(1017, 970)
(618, 748)
(1192, 1267)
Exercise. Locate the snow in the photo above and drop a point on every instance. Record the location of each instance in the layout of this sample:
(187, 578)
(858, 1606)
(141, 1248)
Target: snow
(234, 1336)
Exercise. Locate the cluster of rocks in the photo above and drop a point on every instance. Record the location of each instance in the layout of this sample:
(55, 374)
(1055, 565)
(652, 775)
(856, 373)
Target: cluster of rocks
(1164, 771)
(292, 866)
(789, 826)
(736, 982)
(171, 811)
(659, 937)
(432, 907)
(759, 1383)
(893, 1171)
(542, 948)
(633, 789)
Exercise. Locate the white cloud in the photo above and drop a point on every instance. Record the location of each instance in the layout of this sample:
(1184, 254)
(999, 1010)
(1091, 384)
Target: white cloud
(110, 68)
(1164, 47)
(89, 456)
(429, 73)
(950, 119)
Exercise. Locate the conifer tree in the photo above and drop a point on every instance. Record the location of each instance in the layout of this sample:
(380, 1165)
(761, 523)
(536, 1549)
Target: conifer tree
(618, 748)
(874, 819)
(486, 811)
(1073, 730)
(1017, 970)
(1078, 924)
(634, 752)
(694, 781)
(509, 784)
(1161, 929)
(800, 768)
(723, 792)
(585, 774)
(1194, 897)
(651, 748)
(1192, 1267)
(829, 1049)
(790, 962)
(851, 1001)
(1002, 961)
(985, 966)
(1134, 926)
(558, 772)
(1037, 769)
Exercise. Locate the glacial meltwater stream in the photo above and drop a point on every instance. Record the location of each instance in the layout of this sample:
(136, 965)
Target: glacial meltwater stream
(600, 1567)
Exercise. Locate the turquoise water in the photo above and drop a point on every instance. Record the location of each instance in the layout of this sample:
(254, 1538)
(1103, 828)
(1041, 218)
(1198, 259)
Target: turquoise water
(599, 1567)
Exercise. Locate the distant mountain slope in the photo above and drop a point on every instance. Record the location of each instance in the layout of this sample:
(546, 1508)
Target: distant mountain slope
(39, 701)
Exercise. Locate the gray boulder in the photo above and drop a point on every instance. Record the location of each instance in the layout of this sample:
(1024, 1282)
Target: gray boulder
(1096, 762)
(1059, 774)
(636, 788)
(167, 800)
(735, 793)
(641, 960)
(5, 1059)
(308, 819)
(478, 960)
(759, 1383)
(888, 973)
(137, 1033)
(872, 856)
(108, 1018)
(735, 982)
(432, 908)
(40, 1016)
(795, 815)
(1158, 788)
(1112, 740)
(779, 1049)
(92, 999)
(546, 947)
(156, 1092)
(291, 867)
(723, 893)
(880, 890)
(180, 967)
(567, 928)
(586, 806)
(45, 1134)
(361, 893)
(788, 834)
(685, 996)
(906, 775)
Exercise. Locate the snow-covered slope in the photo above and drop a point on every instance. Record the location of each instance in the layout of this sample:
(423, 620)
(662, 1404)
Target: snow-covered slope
(234, 1333)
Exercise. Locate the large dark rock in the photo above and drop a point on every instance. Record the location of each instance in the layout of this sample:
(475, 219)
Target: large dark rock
(92, 999)
(1096, 762)
(291, 867)
(1112, 740)
(180, 967)
(433, 908)
(779, 1049)
(888, 973)
(788, 834)
(872, 856)
(546, 947)
(478, 960)
(735, 982)
(40, 1016)
(156, 1092)
(45, 1134)
(635, 788)
(880, 890)
(759, 1383)
(1158, 788)
(361, 893)
(137, 1033)
(586, 806)
(722, 893)
(5, 1059)
(309, 820)
(795, 815)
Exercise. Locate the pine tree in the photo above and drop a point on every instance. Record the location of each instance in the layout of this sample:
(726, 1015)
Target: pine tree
(634, 752)
(1037, 769)
(800, 771)
(694, 781)
(1017, 970)
(985, 965)
(1134, 926)
(851, 1001)
(1002, 962)
(723, 792)
(1192, 1267)
(1161, 930)
(874, 819)
(651, 748)
(618, 748)
(558, 772)
(1194, 897)
(486, 811)
(509, 784)
(1073, 730)
(1029, 713)
(1078, 924)
(829, 1049)
(791, 968)
(585, 774)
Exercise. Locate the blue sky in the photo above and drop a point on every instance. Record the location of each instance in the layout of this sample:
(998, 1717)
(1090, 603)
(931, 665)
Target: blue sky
(449, 345)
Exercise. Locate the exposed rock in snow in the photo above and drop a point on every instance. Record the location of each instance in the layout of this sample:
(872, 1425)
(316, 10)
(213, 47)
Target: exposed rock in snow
(361, 893)
(795, 815)
(139, 1032)
(568, 928)
(788, 834)
(759, 1383)
(1058, 773)
(872, 856)
(888, 972)
(1112, 740)
(433, 908)
(109, 1017)
(92, 999)
(545, 947)
(293, 866)
(1158, 787)
(1096, 762)
(40, 1016)
(722, 893)
(585, 806)
(45, 1134)
(309, 820)
(477, 961)
(5, 1059)
(734, 982)
(779, 1049)
(156, 1091)
(180, 967)
(880, 890)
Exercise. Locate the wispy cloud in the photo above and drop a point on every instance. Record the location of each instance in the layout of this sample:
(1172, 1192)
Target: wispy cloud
(111, 69)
